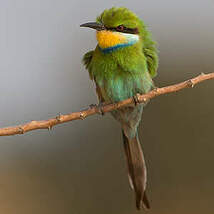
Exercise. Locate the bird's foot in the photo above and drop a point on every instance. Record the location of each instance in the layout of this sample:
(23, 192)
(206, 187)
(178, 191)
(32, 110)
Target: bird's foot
(99, 107)
(92, 106)
(136, 99)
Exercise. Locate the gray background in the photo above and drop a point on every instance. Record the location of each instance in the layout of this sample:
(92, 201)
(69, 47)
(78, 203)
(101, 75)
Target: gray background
(79, 167)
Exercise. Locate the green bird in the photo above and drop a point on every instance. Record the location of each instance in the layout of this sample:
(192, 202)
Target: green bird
(123, 64)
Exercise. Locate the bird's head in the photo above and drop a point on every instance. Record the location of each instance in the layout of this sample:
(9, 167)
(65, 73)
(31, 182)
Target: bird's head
(117, 28)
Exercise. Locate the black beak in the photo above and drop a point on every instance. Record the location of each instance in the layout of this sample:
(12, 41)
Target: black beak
(94, 25)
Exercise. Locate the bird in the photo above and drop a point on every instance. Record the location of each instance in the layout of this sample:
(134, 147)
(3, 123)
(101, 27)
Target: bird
(122, 65)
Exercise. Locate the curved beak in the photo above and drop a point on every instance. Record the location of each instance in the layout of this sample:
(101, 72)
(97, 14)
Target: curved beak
(94, 25)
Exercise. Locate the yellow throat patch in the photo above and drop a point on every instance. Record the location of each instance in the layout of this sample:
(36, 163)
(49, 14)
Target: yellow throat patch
(108, 39)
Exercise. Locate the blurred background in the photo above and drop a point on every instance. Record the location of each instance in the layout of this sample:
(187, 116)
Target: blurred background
(79, 167)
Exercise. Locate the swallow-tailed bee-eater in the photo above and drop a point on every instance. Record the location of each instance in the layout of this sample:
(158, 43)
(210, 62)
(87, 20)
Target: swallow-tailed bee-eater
(122, 65)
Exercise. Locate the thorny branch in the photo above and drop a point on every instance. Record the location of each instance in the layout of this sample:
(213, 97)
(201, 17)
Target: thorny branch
(139, 98)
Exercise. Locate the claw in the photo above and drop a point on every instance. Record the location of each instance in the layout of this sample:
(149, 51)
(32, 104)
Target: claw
(92, 106)
(99, 107)
(100, 110)
(136, 100)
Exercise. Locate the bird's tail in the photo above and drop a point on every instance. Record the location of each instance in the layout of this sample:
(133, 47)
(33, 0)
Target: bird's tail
(136, 170)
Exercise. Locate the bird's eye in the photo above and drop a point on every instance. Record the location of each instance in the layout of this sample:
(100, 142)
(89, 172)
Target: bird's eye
(120, 28)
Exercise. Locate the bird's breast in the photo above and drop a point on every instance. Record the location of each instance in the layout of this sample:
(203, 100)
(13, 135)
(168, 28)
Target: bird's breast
(120, 75)
(115, 87)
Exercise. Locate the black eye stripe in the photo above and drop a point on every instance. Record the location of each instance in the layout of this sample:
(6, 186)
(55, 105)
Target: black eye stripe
(124, 30)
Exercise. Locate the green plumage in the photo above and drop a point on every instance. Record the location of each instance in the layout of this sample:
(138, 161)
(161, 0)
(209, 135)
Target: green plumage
(121, 74)
(116, 16)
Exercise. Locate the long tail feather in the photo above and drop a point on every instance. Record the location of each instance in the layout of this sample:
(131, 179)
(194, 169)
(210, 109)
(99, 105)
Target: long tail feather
(136, 170)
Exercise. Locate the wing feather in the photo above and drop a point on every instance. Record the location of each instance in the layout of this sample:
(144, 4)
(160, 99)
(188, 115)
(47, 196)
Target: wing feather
(87, 58)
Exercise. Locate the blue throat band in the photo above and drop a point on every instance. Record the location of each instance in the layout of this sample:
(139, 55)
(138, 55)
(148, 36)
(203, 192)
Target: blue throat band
(114, 48)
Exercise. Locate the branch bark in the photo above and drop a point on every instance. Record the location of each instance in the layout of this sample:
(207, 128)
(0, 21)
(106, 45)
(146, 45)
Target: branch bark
(139, 98)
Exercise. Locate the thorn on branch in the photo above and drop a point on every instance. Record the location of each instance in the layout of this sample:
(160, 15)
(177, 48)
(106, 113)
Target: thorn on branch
(58, 117)
(145, 100)
(190, 83)
(82, 116)
(156, 90)
(21, 130)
